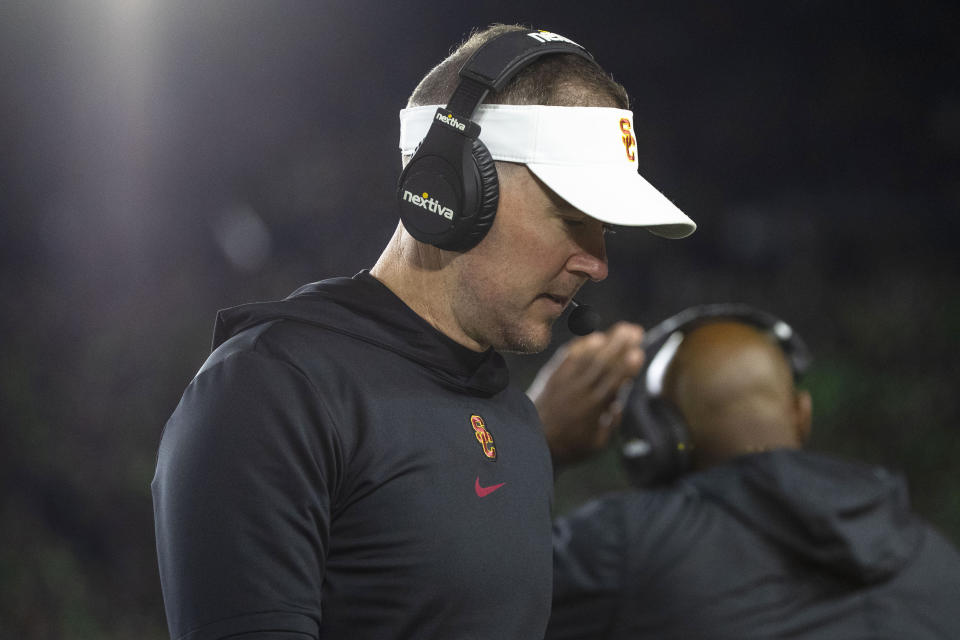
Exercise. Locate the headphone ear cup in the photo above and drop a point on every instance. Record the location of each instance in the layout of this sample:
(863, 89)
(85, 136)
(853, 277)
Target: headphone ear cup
(677, 447)
(656, 448)
(428, 195)
(488, 198)
(471, 218)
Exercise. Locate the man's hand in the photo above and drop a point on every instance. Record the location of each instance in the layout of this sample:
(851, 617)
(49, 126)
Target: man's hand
(578, 391)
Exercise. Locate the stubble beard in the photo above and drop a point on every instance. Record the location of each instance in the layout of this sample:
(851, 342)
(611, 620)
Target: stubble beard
(508, 334)
(514, 338)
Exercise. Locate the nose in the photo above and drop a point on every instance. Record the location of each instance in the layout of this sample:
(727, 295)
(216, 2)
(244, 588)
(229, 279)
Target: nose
(590, 261)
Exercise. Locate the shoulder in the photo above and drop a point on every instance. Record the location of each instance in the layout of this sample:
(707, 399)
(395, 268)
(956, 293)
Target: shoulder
(635, 527)
(287, 356)
(624, 515)
(249, 393)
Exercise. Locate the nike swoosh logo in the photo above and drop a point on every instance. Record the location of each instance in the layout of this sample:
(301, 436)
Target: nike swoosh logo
(483, 492)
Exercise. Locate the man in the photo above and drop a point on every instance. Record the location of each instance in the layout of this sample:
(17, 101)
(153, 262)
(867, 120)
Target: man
(351, 462)
(760, 539)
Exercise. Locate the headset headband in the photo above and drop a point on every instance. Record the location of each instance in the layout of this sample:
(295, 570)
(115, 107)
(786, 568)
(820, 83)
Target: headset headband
(493, 65)
(792, 344)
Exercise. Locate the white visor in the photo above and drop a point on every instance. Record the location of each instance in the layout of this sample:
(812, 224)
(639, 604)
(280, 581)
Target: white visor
(587, 155)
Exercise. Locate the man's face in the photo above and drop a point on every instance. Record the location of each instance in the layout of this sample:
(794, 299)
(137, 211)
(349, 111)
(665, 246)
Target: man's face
(517, 281)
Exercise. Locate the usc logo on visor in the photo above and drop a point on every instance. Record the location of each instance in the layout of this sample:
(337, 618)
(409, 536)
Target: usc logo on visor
(629, 142)
(483, 437)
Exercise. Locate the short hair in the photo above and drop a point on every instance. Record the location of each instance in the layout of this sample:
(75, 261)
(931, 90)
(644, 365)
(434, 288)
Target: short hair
(563, 80)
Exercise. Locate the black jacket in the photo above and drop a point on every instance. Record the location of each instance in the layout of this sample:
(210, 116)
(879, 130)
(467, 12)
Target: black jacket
(339, 469)
(785, 544)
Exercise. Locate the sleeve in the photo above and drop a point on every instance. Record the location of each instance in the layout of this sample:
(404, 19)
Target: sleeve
(588, 563)
(247, 466)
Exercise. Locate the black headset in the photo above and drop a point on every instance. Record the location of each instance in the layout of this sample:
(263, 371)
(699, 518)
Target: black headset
(448, 192)
(655, 443)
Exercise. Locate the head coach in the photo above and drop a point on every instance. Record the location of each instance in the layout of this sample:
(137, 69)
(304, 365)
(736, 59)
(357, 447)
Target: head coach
(351, 461)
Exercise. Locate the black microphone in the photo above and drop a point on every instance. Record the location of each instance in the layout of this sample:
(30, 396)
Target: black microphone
(582, 319)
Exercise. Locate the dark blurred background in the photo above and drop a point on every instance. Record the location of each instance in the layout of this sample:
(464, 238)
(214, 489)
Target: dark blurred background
(161, 160)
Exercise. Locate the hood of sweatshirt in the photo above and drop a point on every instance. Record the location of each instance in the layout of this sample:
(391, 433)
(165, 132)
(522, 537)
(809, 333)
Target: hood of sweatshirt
(850, 518)
(364, 308)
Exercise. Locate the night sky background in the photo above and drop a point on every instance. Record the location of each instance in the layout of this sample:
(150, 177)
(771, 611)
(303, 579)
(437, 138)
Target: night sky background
(162, 160)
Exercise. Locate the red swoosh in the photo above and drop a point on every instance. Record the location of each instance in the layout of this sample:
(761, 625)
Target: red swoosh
(483, 492)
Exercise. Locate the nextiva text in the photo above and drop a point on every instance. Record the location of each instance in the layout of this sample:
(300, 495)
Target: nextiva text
(547, 36)
(429, 204)
(450, 120)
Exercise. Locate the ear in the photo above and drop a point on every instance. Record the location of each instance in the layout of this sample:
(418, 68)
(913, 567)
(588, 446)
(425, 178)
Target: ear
(804, 416)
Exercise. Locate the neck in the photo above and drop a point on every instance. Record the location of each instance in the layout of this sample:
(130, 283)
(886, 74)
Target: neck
(763, 448)
(422, 276)
(743, 436)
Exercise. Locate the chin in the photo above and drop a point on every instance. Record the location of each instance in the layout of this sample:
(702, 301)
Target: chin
(527, 340)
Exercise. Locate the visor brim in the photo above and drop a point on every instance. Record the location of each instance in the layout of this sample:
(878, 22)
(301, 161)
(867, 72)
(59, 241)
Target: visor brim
(616, 197)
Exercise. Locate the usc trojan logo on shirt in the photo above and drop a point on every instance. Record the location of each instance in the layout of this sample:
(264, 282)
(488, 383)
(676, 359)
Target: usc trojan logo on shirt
(483, 437)
(629, 142)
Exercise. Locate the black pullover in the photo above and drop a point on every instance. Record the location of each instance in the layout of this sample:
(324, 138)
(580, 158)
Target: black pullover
(340, 469)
